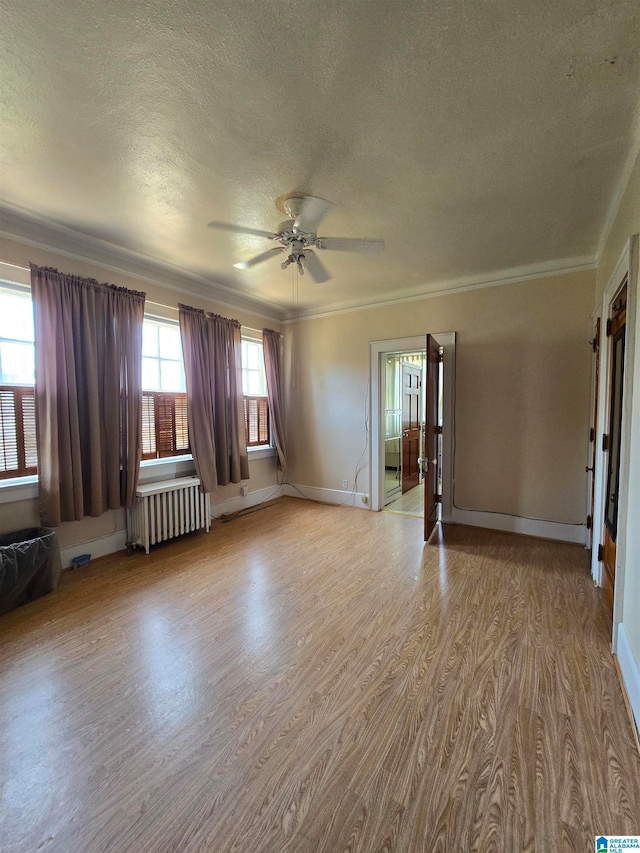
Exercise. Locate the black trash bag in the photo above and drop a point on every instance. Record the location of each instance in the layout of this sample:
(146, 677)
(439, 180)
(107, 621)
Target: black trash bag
(29, 566)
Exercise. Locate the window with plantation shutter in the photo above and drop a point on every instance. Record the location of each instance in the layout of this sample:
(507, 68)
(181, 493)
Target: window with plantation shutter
(254, 387)
(164, 425)
(182, 429)
(164, 401)
(18, 455)
(256, 415)
(148, 426)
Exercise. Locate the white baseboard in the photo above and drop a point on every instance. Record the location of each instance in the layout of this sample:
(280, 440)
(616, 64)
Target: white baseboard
(330, 496)
(99, 547)
(314, 493)
(630, 673)
(515, 524)
(249, 500)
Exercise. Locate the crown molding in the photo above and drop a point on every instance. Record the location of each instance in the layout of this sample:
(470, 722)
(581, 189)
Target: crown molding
(41, 233)
(462, 285)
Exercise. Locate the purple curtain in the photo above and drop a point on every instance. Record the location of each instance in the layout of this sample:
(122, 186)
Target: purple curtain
(215, 404)
(272, 349)
(88, 351)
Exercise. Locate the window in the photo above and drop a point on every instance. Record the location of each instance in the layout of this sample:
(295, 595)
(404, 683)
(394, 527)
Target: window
(254, 381)
(18, 454)
(164, 401)
(162, 367)
(254, 388)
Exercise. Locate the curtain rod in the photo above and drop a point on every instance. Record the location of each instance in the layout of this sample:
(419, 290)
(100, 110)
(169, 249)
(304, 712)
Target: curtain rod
(148, 301)
(174, 308)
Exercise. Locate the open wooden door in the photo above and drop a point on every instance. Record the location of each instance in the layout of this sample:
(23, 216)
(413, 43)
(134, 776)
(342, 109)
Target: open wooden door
(432, 432)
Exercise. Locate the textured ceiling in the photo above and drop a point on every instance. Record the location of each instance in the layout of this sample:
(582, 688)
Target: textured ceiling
(473, 137)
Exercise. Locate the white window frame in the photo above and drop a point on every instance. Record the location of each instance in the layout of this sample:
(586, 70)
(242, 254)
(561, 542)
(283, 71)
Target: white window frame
(249, 338)
(262, 450)
(17, 280)
(173, 324)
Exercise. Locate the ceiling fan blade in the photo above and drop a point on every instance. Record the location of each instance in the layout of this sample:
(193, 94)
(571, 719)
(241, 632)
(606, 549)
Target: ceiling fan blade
(314, 266)
(350, 244)
(312, 212)
(241, 229)
(245, 265)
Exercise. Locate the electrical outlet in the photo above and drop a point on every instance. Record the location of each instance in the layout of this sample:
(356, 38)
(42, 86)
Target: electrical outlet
(244, 489)
(365, 499)
(345, 484)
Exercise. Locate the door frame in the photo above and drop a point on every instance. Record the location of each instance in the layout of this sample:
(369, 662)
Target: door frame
(627, 266)
(377, 351)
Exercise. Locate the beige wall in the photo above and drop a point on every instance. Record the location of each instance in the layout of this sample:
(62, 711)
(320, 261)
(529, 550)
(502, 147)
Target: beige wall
(626, 223)
(522, 396)
(24, 513)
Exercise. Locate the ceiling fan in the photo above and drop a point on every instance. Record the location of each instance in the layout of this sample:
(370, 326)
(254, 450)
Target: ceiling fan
(298, 238)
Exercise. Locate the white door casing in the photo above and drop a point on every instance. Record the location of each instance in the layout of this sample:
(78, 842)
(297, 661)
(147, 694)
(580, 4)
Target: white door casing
(378, 350)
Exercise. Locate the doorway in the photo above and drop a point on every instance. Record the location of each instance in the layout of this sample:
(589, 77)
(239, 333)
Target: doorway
(616, 329)
(403, 431)
(612, 523)
(387, 433)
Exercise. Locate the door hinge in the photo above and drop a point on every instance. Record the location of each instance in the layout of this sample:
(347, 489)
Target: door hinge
(438, 430)
(441, 357)
(589, 522)
(600, 553)
(592, 434)
(605, 442)
(437, 499)
(609, 327)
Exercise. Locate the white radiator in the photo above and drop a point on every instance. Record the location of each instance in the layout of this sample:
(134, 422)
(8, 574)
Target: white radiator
(167, 509)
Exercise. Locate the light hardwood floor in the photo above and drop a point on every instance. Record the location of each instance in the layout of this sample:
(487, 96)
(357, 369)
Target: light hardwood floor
(312, 678)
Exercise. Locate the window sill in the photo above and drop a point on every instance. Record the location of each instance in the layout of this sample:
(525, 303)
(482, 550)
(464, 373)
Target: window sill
(174, 466)
(260, 452)
(19, 489)
(166, 469)
(26, 488)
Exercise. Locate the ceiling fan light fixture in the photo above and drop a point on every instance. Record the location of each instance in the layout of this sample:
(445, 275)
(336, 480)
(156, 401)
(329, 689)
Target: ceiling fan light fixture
(298, 236)
(292, 206)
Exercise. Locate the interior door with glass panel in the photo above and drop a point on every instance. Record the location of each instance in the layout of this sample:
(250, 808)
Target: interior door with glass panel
(411, 425)
(433, 431)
